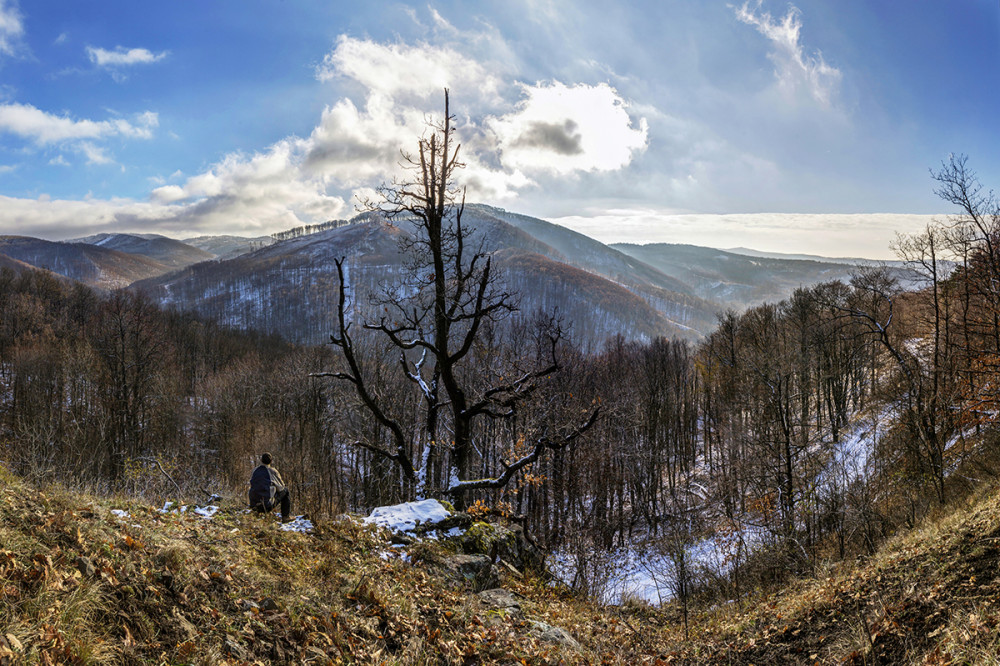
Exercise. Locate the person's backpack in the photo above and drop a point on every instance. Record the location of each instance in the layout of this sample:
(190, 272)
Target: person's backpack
(261, 488)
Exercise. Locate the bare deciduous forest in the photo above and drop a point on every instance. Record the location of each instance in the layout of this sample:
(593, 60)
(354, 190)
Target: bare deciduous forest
(802, 430)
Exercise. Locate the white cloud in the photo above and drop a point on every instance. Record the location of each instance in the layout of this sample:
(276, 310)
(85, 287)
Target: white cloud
(41, 127)
(263, 191)
(794, 68)
(123, 57)
(353, 146)
(401, 70)
(564, 129)
(509, 133)
(11, 29)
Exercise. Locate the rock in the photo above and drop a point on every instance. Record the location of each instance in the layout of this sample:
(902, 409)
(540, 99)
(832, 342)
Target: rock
(486, 539)
(401, 539)
(477, 570)
(549, 634)
(460, 520)
(502, 603)
(497, 597)
(523, 554)
(508, 543)
(86, 567)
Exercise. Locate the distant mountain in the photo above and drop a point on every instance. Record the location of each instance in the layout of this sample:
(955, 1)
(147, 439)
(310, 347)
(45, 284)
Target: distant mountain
(290, 287)
(228, 247)
(735, 280)
(93, 265)
(167, 251)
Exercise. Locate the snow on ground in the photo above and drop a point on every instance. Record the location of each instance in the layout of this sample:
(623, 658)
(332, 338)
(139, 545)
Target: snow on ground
(298, 524)
(858, 441)
(405, 517)
(206, 511)
(643, 572)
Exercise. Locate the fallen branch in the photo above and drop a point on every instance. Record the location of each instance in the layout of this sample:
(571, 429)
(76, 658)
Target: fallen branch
(156, 461)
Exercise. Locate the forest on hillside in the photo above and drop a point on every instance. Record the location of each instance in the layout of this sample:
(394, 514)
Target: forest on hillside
(796, 431)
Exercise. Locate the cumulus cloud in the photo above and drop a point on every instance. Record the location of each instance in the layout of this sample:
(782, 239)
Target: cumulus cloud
(506, 130)
(563, 129)
(794, 69)
(123, 57)
(561, 138)
(353, 145)
(265, 190)
(11, 29)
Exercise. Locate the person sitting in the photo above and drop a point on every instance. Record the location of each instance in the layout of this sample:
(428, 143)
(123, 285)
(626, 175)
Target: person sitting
(268, 491)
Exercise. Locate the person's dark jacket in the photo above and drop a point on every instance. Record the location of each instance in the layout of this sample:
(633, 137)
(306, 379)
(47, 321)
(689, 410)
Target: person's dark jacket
(265, 483)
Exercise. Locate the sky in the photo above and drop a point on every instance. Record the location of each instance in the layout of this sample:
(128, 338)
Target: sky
(801, 127)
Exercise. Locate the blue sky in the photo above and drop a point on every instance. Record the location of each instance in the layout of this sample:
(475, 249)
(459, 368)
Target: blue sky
(685, 121)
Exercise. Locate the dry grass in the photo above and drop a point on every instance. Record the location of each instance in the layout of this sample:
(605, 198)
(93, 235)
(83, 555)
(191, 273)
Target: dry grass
(176, 589)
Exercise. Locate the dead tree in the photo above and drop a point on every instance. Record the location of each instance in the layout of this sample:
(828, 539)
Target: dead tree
(450, 293)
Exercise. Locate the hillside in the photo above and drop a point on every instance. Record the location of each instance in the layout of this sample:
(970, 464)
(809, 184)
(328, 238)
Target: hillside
(106, 581)
(227, 247)
(92, 265)
(290, 287)
(167, 251)
(929, 596)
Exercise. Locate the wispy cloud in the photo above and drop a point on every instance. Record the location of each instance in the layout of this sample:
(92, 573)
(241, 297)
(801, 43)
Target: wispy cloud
(11, 29)
(123, 57)
(794, 68)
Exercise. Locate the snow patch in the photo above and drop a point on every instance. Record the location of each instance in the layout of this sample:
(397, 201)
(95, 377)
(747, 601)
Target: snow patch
(206, 512)
(405, 517)
(298, 524)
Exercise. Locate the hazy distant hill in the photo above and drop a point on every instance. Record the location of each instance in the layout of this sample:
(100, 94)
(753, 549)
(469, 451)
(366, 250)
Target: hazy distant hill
(589, 254)
(91, 264)
(802, 257)
(227, 247)
(167, 251)
(673, 298)
(735, 280)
